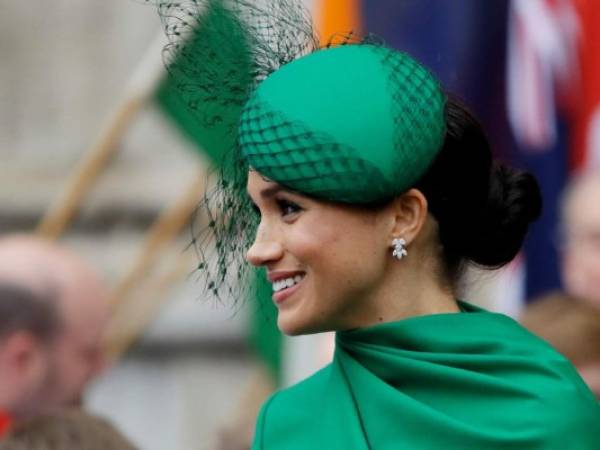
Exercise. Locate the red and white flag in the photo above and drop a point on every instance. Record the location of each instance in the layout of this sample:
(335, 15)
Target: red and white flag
(542, 68)
(585, 149)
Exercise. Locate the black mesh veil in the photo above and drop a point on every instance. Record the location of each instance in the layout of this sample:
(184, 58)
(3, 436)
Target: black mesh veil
(217, 52)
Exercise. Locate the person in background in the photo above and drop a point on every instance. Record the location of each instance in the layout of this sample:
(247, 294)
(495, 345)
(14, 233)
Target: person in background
(28, 327)
(54, 311)
(67, 430)
(581, 238)
(570, 320)
(571, 326)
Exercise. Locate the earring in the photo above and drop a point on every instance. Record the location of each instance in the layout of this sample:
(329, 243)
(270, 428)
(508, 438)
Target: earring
(399, 248)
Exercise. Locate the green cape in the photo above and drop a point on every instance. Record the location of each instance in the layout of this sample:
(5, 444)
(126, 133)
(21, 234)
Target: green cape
(473, 380)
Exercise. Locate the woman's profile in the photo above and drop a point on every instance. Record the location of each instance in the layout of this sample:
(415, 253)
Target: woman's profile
(372, 189)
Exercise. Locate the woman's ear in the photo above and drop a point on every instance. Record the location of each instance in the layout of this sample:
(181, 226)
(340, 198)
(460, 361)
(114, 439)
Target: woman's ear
(409, 214)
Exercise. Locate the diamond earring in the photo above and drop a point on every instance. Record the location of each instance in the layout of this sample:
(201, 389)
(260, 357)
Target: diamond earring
(399, 248)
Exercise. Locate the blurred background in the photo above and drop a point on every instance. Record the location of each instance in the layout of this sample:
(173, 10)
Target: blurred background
(78, 112)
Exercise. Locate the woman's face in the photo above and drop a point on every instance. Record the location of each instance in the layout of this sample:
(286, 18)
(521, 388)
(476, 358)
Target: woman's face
(324, 260)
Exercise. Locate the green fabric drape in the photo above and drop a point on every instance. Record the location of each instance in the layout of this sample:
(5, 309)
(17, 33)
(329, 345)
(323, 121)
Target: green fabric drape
(472, 380)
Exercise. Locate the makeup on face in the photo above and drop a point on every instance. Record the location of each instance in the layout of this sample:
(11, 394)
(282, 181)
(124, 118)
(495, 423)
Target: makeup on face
(319, 256)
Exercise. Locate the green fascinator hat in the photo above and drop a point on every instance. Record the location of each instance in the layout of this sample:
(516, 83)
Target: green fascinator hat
(357, 124)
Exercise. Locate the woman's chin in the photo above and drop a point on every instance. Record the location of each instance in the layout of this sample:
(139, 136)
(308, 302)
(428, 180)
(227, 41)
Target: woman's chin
(289, 327)
(293, 326)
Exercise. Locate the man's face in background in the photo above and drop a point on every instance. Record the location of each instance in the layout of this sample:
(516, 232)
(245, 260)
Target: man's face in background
(77, 355)
(581, 257)
(74, 356)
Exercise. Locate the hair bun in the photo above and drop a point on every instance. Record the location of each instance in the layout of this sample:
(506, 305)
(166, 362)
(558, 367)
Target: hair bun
(514, 201)
(483, 208)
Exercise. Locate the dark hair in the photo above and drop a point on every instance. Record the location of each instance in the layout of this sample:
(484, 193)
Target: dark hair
(22, 309)
(483, 207)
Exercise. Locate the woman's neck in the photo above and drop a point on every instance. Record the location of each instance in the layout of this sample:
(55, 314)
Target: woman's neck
(406, 291)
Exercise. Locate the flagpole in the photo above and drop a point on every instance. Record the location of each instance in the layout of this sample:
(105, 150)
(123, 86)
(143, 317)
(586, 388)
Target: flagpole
(139, 88)
(164, 229)
(125, 328)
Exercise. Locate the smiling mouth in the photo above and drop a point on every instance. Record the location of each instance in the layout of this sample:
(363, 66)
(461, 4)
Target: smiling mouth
(286, 283)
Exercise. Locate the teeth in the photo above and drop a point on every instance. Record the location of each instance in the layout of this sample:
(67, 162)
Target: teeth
(286, 283)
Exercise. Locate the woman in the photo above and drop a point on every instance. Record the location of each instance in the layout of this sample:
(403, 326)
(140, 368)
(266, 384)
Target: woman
(376, 258)
(374, 190)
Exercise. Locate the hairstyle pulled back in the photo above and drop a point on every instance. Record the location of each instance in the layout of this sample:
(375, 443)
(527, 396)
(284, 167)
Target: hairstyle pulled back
(483, 207)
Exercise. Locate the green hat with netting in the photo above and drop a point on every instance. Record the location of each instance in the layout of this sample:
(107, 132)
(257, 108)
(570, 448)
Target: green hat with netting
(353, 121)
(354, 124)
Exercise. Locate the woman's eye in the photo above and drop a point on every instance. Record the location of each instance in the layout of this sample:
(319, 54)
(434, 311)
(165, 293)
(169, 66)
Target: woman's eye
(286, 207)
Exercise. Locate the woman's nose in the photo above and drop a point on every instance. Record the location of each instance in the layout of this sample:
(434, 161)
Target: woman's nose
(264, 250)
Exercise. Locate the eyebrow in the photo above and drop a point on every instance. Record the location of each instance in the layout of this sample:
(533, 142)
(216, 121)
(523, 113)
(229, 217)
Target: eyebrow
(271, 191)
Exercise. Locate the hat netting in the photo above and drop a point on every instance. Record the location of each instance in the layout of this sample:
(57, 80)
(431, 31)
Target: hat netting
(356, 124)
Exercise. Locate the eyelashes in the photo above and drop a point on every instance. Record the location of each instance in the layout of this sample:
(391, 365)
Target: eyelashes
(287, 207)
(256, 209)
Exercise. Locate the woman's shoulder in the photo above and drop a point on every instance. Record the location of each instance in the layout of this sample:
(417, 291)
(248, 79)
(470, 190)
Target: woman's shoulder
(288, 409)
(306, 391)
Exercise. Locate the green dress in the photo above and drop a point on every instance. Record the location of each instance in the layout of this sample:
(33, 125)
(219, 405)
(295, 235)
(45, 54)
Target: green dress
(471, 380)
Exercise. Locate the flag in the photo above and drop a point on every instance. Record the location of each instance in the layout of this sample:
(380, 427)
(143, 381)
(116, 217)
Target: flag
(586, 116)
(202, 114)
(462, 42)
(537, 57)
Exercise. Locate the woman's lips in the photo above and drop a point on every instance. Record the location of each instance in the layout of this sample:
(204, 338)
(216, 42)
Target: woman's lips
(280, 296)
